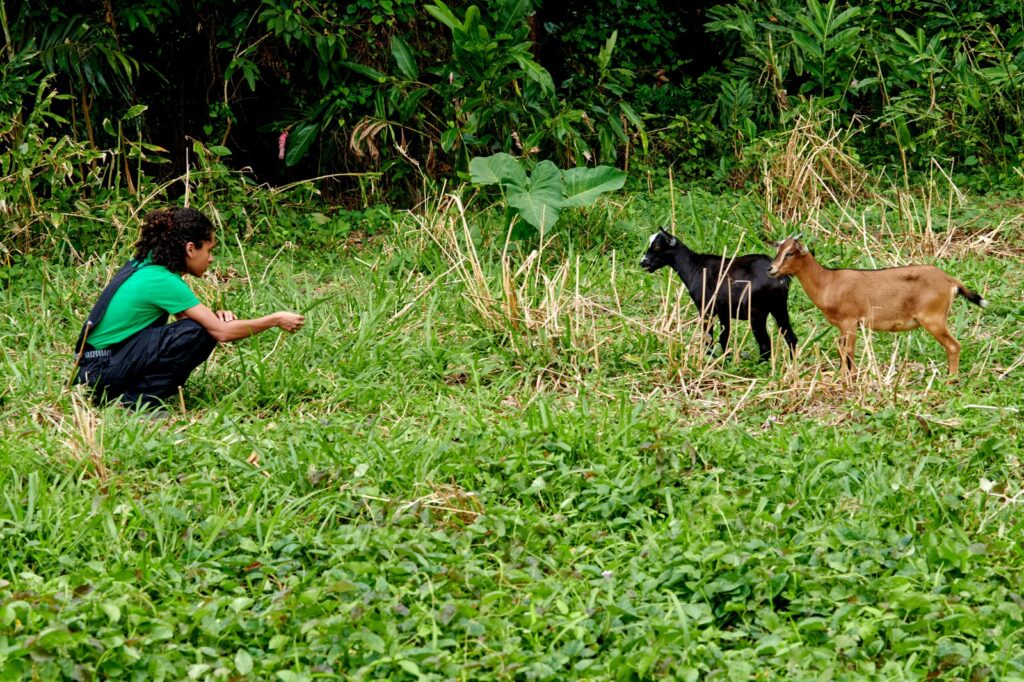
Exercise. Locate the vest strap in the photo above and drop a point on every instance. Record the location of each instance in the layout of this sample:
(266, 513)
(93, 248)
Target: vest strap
(100, 309)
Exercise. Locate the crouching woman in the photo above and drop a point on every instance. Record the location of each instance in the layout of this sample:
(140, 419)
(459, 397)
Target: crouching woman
(126, 350)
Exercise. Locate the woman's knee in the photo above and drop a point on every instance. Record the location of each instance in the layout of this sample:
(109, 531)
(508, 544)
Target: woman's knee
(190, 329)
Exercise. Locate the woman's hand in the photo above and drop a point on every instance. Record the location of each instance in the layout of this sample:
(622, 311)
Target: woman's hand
(290, 322)
(226, 316)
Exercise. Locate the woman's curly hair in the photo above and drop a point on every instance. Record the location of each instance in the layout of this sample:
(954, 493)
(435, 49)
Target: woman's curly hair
(166, 231)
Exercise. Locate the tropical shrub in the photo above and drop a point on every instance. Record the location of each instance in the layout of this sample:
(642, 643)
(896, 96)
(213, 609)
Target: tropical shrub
(538, 197)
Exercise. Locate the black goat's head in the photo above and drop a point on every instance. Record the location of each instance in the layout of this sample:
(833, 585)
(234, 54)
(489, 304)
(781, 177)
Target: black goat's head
(660, 251)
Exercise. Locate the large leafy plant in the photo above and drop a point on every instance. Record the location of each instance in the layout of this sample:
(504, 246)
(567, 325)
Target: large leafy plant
(499, 97)
(494, 82)
(538, 196)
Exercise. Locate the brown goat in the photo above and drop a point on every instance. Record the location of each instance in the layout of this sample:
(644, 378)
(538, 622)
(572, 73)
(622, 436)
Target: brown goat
(891, 300)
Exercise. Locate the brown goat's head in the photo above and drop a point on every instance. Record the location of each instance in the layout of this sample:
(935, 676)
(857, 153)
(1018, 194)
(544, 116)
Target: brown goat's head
(791, 251)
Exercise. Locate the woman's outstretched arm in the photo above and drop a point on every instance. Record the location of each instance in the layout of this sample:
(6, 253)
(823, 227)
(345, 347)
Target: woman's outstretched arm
(233, 329)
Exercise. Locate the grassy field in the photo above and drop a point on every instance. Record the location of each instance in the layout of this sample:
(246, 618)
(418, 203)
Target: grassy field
(477, 463)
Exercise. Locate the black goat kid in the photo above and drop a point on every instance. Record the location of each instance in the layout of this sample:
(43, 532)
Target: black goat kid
(727, 287)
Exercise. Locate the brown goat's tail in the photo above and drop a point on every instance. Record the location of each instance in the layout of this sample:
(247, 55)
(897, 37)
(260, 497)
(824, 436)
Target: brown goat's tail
(974, 298)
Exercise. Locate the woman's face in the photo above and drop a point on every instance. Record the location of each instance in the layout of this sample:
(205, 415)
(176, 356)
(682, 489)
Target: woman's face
(198, 258)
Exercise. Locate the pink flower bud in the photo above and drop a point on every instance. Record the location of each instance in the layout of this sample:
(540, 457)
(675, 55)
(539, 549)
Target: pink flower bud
(282, 141)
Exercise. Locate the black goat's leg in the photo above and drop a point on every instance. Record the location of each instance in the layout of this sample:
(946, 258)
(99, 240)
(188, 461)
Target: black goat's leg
(781, 316)
(759, 325)
(707, 325)
(723, 336)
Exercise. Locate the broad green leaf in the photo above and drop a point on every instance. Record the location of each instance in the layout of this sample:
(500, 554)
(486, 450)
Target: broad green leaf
(500, 168)
(367, 71)
(539, 205)
(250, 78)
(135, 111)
(112, 611)
(196, 670)
(807, 44)
(373, 641)
(239, 604)
(903, 136)
(448, 139)
(632, 116)
(582, 186)
(818, 13)
(243, 662)
(844, 39)
(604, 57)
(299, 142)
(473, 24)
(410, 667)
(537, 73)
(637, 122)
(845, 16)
(615, 124)
(440, 11)
(404, 57)
(513, 14)
(813, 29)
(278, 641)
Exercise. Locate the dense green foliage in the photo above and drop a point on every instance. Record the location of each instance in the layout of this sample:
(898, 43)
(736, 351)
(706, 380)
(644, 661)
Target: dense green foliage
(389, 97)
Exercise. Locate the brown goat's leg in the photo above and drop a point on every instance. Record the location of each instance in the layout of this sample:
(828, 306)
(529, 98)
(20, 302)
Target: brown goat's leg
(847, 346)
(941, 333)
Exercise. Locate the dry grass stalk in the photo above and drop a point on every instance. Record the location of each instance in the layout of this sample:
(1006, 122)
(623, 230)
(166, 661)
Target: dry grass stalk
(450, 499)
(525, 299)
(913, 236)
(84, 435)
(812, 168)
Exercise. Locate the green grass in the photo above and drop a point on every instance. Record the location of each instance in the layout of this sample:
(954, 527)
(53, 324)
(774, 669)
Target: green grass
(416, 487)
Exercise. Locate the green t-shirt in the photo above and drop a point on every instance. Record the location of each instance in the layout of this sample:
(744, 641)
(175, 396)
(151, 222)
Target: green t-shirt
(148, 293)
